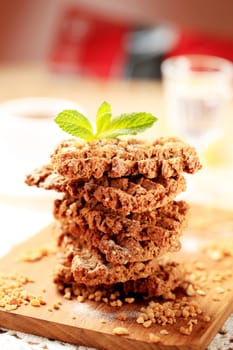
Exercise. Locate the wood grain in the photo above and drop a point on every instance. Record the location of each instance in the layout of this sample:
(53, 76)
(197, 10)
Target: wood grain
(87, 329)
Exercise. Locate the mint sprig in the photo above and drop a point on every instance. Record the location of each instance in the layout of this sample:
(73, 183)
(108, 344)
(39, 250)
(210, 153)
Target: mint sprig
(76, 124)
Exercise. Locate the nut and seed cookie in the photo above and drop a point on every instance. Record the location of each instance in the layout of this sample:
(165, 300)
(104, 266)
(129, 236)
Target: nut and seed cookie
(134, 194)
(164, 157)
(167, 276)
(89, 267)
(121, 249)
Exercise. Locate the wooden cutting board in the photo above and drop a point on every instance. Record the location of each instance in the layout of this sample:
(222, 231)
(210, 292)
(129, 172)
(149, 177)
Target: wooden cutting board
(82, 323)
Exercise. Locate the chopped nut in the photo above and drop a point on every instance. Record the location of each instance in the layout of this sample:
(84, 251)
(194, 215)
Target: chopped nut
(56, 306)
(164, 332)
(35, 302)
(67, 296)
(117, 303)
(154, 338)
(192, 322)
(190, 290)
(140, 320)
(185, 331)
(42, 302)
(120, 331)
(37, 253)
(169, 296)
(11, 307)
(13, 294)
(147, 323)
(185, 313)
(91, 296)
(206, 318)
(80, 298)
(201, 292)
(129, 300)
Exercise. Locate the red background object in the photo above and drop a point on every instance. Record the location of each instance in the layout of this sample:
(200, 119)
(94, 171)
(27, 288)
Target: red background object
(88, 45)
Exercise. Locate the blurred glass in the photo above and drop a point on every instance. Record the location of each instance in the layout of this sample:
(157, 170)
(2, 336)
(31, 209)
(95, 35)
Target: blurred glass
(196, 89)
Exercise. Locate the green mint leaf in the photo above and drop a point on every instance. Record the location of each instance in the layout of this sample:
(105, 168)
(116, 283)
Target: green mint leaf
(78, 125)
(103, 117)
(128, 124)
(75, 123)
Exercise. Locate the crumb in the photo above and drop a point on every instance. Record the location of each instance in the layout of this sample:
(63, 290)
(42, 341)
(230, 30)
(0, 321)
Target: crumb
(56, 306)
(206, 318)
(164, 332)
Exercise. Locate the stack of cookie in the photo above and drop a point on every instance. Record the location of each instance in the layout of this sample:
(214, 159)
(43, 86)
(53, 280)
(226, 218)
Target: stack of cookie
(118, 217)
